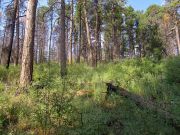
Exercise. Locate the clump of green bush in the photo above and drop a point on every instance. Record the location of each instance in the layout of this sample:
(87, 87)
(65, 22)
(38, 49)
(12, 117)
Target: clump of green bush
(10, 75)
(3, 73)
(172, 71)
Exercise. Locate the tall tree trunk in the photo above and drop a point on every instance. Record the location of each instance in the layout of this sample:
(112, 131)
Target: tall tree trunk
(117, 51)
(12, 32)
(27, 55)
(3, 44)
(67, 37)
(63, 40)
(84, 45)
(114, 32)
(50, 42)
(17, 36)
(71, 31)
(21, 43)
(4, 36)
(80, 32)
(177, 37)
(97, 32)
(43, 43)
(37, 42)
(88, 34)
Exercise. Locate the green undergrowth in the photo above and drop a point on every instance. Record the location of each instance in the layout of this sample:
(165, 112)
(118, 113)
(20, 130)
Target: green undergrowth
(51, 105)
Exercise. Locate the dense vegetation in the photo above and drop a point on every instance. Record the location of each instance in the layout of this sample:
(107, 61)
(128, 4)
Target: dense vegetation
(76, 104)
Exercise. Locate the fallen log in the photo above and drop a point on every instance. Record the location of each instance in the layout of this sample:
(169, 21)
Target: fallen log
(143, 103)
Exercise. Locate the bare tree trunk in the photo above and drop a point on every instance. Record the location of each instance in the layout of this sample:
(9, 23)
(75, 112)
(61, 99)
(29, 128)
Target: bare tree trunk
(17, 36)
(3, 44)
(21, 43)
(71, 31)
(80, 32)
(12, 32)
(63, 40)
(88, 34)
(37, 48)
(114, 33)
(75, 45)
(41, 44)
(116, 44)
(107, 50)
(50, 42)
(37, 42)
(177, 37)
(97, 32)
(27, 55)
(67, 37)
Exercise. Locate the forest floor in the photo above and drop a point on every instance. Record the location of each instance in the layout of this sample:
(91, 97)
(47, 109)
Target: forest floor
(78, 104)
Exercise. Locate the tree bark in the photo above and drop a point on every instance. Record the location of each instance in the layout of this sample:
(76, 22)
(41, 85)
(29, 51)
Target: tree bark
(3, 44)
(71, 31)
(88, 34)
(117, 51)
(80, 32)
(63, 40)
(50, 41)
(12, 32)
(28, 46)
(97, 32)
(37, 42)
(177, 37)
(17, 36)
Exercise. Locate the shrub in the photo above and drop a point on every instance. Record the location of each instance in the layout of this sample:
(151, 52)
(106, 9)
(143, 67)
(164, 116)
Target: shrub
(3, 74)
(172, 71)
